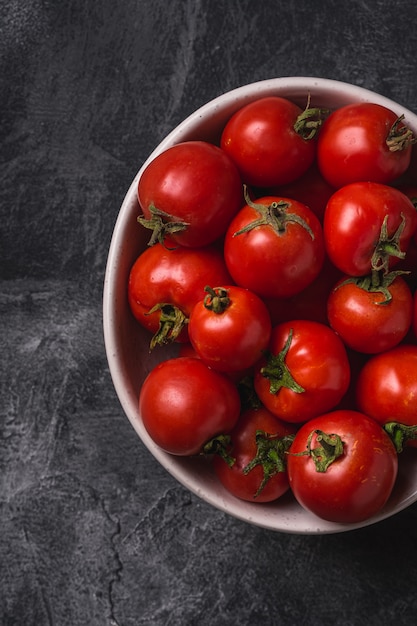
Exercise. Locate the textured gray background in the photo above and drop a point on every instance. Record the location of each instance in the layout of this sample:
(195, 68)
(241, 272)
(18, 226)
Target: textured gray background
(93, 531)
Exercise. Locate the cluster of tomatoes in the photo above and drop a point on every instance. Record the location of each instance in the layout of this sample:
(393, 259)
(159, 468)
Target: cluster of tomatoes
(283, 262)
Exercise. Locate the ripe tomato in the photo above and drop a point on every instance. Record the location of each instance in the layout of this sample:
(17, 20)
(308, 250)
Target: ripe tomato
(363, 142)
(230, 328)
(306, 373)
(371, 318)
(414, 321)
(310, 189)
(386, 389)
(271, 140)
(342, 466)
(308, 304)
(274, 247)
(190, 192)
(255, 467)
(368, 226)
(184, 404)
(165, 284)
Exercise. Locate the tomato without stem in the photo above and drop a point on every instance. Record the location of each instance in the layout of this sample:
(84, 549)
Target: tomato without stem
(369, 318)
(255, 468)
(363, 142)
(306, 373)
(308, 304)
(387, 390)
(190, 192)
(368, 226)
(184, 404)
(274, 247)
(271, 140)
(165, 284)
(230, 328)
(311, 189)
(342, 466)
(414, 321)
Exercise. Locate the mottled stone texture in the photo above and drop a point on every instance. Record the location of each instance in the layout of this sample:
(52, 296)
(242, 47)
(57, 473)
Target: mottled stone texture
(93, 531)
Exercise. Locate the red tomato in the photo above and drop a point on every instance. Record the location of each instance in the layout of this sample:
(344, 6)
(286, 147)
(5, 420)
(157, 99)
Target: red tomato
(165, 284)
(371, 319)
(274, 247)
(184, 404)
(310, 189)
(306, 373)
(386, 389)
(414, 321)
(308, 304)
(368, 226)
(269, 141)
(342, 466)
(230, 328)
(256, 470)
(363, 142)
(190, 192)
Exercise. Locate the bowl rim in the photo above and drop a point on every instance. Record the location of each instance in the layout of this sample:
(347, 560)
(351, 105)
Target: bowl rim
(300, 522)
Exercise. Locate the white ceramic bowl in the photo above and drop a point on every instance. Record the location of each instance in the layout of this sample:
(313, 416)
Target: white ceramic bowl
(127, 344)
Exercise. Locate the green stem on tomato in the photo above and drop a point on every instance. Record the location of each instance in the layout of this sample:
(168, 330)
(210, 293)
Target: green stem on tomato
(376, 282)
(400, 138)
(400, 434)
(330, 447)
(217, 299)
(171, 322)
(275, 215)
(161, 224)
(387, 246)
(277, 371)
(220, 445)
(308, 123)
(270, 454)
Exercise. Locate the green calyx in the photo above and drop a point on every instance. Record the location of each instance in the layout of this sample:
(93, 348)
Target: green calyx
(400, 434)
(217, 299)
(270, 454)
(329, 448)
(387, 246)
(171, 322)
(308, 123)
(400, 136)
(161, 224)
(376, 282)
(277, 371)
(276, 215)
(220, 445)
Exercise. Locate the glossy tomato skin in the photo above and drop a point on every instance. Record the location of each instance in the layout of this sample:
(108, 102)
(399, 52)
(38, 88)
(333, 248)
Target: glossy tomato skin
(184, 403)
(261, 140)
(358, 483)
(353, 220)
(174, 276)
(274, 264)
(243, 450)
(386, 388)
(317, 361)
(362, 319)
(234, 339)
(352, 146)
(196, 183)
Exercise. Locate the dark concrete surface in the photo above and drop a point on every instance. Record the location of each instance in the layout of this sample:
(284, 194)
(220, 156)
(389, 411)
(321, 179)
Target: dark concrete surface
(93, 532)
